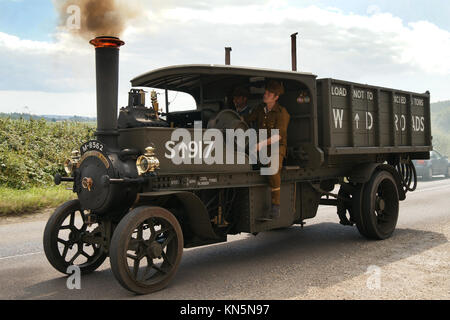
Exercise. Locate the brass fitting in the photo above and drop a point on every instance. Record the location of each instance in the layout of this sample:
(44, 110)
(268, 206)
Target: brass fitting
(71, 163)
(87, 183)
(155, 104)
(147, 162)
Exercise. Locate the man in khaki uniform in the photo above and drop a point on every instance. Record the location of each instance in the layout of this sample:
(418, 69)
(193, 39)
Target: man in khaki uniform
(271, 115)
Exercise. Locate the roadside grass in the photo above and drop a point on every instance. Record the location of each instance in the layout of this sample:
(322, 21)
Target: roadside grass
(19, 202)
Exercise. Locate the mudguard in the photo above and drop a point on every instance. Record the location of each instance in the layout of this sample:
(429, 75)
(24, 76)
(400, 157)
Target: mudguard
(193, 207)
(362, 174)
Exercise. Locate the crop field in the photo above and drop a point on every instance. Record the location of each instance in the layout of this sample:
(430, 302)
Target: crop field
(31, 153)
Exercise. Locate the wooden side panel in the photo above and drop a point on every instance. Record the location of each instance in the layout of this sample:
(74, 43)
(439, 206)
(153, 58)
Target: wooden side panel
(357, 117)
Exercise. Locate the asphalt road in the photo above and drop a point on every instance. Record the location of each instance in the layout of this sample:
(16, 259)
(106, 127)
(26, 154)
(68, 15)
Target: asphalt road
(324, 260)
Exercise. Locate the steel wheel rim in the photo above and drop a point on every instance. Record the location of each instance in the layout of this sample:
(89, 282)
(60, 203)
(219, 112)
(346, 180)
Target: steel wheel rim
(153, 241)
(74, 238)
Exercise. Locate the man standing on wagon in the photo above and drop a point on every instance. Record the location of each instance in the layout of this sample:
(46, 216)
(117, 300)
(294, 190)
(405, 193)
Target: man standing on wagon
(271, 115)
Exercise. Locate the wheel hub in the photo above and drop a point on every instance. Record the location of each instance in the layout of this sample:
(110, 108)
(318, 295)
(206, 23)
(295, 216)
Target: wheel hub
(155, 249)
(74, 236)
(381, 204)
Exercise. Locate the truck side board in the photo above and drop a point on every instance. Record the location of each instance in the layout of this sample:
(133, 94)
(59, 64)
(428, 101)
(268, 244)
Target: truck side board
(356, 118)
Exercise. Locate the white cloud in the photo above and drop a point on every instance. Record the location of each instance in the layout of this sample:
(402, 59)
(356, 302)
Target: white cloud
(44, 66)
(427, 47)
(377, 37)
(38, 102)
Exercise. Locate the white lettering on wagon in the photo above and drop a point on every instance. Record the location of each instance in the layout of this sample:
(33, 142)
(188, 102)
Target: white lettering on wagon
(417, 123)
(399, 99)
(362, 94)
(338, 115)
(338, 91)
(418, 102)
(369, 120)
(414, 101)
(403, 122)
(357, 120)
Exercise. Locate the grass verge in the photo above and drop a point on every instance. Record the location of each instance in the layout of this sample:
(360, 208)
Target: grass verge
(19, 202)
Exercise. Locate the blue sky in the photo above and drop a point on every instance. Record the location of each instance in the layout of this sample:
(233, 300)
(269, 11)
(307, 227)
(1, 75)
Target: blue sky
(437, 11)
(402, 44)
(28, 19)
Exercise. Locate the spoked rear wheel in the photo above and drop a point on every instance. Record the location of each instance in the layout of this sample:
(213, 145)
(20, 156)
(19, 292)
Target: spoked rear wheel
(380, 207)
(65, 240)
(146, 249)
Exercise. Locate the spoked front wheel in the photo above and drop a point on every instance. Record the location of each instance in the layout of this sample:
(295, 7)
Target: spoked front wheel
(146, 249)
(66, 240)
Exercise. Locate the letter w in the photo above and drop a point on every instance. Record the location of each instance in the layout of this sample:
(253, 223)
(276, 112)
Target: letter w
(338, 116)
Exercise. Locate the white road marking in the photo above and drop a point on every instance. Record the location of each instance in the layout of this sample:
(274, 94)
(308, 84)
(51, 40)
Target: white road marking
(433, 188)
(21, 255)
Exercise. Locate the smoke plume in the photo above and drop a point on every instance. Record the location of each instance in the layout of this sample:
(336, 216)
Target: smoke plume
(92, 18)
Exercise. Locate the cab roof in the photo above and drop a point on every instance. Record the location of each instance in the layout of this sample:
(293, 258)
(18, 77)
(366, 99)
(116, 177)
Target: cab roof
(186, 77)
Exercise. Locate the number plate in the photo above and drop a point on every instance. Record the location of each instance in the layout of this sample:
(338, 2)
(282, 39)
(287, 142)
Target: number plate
(92, 145)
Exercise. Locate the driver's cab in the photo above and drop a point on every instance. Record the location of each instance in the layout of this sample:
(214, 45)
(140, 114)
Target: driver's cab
(187, 94)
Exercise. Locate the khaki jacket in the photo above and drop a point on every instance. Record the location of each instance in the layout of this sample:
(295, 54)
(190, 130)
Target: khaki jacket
(277, 118)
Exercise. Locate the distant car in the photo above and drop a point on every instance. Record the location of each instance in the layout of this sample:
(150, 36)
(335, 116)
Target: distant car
(437, 165)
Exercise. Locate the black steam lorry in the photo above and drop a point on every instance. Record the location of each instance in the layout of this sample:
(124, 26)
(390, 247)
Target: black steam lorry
(140, 209)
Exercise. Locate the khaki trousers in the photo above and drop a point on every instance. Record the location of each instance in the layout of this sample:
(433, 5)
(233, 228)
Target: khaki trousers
(275, 183)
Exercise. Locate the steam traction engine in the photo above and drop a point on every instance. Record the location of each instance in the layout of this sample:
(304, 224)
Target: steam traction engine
(138, 208)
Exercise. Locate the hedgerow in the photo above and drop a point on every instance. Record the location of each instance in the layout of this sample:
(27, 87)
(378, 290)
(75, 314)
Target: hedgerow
(33, 151)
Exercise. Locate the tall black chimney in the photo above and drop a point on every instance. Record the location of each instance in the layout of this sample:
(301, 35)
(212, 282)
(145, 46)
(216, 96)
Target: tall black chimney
(227, 56)
(294, 51)
(107, 73)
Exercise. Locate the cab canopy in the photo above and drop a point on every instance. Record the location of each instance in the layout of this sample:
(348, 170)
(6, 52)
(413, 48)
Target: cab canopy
(189, 78)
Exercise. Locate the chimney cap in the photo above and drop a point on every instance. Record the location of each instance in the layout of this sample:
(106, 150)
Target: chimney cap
(108, 42)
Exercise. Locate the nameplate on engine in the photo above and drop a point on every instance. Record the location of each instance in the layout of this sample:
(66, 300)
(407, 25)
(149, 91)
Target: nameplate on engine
(92, 145)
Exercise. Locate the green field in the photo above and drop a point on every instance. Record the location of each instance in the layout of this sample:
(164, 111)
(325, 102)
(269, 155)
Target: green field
(31, 153)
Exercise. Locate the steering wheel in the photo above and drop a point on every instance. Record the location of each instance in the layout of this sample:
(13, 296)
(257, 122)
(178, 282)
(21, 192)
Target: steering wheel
(227, 119)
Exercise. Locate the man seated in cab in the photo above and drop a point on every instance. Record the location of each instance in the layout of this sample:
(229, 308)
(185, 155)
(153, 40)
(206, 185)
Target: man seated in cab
(240, 99)
(271, 115)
